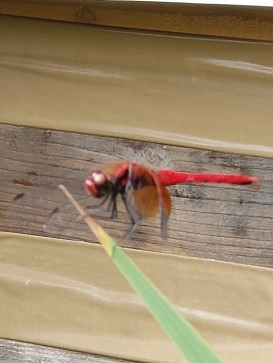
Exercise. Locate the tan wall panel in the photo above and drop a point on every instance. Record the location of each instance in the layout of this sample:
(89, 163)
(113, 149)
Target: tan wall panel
(206, 93)
(70, 295)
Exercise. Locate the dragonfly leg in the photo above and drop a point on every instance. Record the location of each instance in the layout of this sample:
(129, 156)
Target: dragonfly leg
(134, 216)
(113, 205)
(131, 230)
(98, 205)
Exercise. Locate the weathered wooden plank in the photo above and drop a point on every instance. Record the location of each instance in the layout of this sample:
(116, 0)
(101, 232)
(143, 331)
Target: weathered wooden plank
(246, 22)
(229, 223)
(14, 351)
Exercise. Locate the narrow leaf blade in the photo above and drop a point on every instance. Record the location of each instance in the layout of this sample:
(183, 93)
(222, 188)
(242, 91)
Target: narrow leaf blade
(188, 340)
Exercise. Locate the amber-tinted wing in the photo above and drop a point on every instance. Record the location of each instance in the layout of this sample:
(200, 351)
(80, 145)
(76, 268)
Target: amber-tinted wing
(165, 205)
(145, 201)
(147, 195)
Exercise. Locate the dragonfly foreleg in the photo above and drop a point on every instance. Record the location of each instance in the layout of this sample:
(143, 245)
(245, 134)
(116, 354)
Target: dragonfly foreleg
(98, 205)
(113, 205)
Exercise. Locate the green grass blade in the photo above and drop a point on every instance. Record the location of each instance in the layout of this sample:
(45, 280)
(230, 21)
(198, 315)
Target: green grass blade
(187, 339)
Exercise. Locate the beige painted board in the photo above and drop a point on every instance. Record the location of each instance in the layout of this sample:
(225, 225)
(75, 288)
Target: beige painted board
(69, 294)
(183, 90)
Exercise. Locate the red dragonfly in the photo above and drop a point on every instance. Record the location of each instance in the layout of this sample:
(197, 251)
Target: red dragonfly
(143, 190)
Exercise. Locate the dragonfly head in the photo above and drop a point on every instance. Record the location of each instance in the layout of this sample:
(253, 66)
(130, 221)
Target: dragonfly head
(97, 184)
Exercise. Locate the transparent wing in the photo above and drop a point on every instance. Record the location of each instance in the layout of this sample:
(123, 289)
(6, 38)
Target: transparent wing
(45, 211)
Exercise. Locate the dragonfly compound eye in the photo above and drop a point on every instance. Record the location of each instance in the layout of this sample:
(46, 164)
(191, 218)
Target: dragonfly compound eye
(97, 184)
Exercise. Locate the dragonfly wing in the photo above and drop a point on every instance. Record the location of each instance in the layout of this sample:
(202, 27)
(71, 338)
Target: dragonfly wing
(145, 201)
(148, 200)
(142, 192)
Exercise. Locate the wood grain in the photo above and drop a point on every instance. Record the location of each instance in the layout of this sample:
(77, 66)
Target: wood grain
(19, 352)
(228, 223)
(243, 22)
